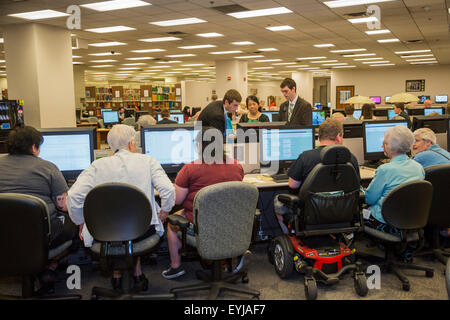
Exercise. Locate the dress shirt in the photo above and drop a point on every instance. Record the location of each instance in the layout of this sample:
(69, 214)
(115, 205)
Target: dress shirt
(399, 170)
(139, 170)
(291, 107)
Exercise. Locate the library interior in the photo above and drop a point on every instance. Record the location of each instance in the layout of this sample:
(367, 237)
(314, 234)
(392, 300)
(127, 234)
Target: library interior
(226, 149)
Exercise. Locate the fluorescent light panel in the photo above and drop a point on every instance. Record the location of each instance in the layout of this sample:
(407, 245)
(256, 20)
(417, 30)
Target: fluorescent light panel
(107, 44)
(259, 13)
(115, 5)
(324, 61)
(160, 39)
(225, 52)
(268, 60)
(268, 49)
(359, 55)
(388, 40)
(279, 28)
(362, 20)
(180, 55)
(372, 32)
(202, 46)
(325, 45)
(103, 61)
(134, 64)
(311, 58)
(178, 22)
(348, 50)
(423, 59)
(148, 50)
(417, 56)
(140, 58)
(105, 54)
(348, 3)
(250, 57)
(37, 15)
(341, 67)
(382, 65)
(368, 59)
(110, 29)
(284, 63)
(209, 35)
(412, 51)
(424, 62)
(375, 62)
(243, 43)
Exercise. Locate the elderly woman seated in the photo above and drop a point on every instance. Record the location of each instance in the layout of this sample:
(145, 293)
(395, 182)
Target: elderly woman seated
(425, 149)
(397, 142)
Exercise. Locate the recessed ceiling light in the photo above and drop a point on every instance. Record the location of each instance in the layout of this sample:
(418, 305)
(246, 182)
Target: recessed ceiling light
(269, 60)
(367, 59)
(375, 62)
(78, 62)
(324, 61)
(359, 55)
(325, 45)
(311, 58)
(382, 65)
(342, 67)
(363, 20)
(209, 35)
(348, 3)
(147, 50)
(172, 61)
(417, 56)
(312, 68)
(388, 40)
(202, 46)
(193, 65)
(41, 14)
(258, 68)
(160, 39)
(335, 64)
(105, 54)
(423, 59)
(383, 31)
(243, 43)
(177, 22)
(180, 55)
(424, 62)
(250, 57)
(140, 58)
(412, 51)
(110, 29)
(115, 5)
(268, 49)
(73, 57)
(283, 63)
(155, 67)
(259, 13)
(1, 40)
(107, 44)
(226, 52)
(131, 68)
(279, 28)
(103, 66)
(348, 50)
(134, 64)
(103, 61)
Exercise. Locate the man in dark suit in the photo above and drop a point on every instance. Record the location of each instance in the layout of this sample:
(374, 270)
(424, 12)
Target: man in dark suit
(214, 114)
(295, 111)
(165, 115)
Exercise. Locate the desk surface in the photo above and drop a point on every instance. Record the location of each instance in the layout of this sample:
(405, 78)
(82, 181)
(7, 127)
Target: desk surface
(263, 181)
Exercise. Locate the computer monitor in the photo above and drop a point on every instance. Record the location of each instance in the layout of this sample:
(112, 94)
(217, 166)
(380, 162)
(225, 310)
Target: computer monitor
(376, 99)
(448, 134)
(357, 113)
(373, 136)
(269, 114)
(177, 117)
(318, 117)
(427, 111)
(442, 98)
(353, 129)
(437, 123)
(381, 112)
(423, 98)
(415, 111)
(391, 114)
(103, 110)
(110, 117)
(284, 144)
(250, 131)
(129, 112)
(70, 149)
(178, 141)
(386, 99)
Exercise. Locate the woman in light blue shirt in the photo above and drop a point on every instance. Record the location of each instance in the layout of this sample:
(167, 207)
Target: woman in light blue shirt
(397, 142)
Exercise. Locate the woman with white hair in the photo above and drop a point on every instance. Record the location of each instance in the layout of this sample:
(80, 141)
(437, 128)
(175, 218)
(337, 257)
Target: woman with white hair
(126, 166)
(397, 142)
(426, 151)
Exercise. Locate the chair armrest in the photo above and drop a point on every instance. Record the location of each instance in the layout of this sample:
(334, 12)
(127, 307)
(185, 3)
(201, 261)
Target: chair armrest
(289, 200)
(362, 198)
(178, 220)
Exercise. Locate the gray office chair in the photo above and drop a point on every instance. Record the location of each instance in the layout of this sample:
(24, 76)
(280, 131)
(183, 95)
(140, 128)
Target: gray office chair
(129, 121)
(223, 216)
(24, 242)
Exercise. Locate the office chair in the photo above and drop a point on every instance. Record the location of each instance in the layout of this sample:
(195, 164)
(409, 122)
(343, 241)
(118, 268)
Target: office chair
(24, 242)
(116, 214)
(129, 121)
(406, 208)
(439, 177)
(223, 215)
(93, 119)
(326, 209)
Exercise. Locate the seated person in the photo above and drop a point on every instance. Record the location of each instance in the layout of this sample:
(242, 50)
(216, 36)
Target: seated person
(143, 121)
(253, 114)
(339, 116)
(126, 166)
(121, 114)
(24, 172)
(186, 113)
(426, 151)
(349, 110)
(165, 115)
(399, 109)
(193, 177)
(330, 132)
(397, 142)
(367, 112)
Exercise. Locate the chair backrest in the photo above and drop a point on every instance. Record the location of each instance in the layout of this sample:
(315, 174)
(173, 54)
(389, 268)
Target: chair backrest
(93, 119)
(224, 214)
(439, 176)
(330, 194)
(24, 234)
(117, 212)
(407, 206)
(129, 121)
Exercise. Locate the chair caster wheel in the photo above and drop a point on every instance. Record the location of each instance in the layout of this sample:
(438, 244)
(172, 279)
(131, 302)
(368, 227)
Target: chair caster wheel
(244, 279)
(429, 274)
(361, 285)
(406, 286)
(311, 289)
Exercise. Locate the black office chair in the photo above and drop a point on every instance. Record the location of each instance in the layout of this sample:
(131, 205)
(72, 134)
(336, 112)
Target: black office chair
(439, 176)
(116, 214)
(406, 208)
(24, 242)
(327, 204)
(223, 215)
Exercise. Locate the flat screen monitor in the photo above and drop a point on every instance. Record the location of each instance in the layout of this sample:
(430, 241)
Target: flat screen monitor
(110, 117)
(422, 99)
(284, 144)
(427, 111)
(376, 99)
(442, 98)
(250, 131)
(269, 114)
(352, 129)
(178, 141)
(415, 111)
(70, 149)
(386, 99)
(448, 134)
(105, 109)
(373, 136)
(177, 117)
(391, 114)
(129, 112)
(318, 117)
(438, 124)
(380, 112)
(357, 113)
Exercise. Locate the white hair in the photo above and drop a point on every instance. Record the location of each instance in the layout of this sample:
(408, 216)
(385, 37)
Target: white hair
(399, 139)
(146, 120)
(119, 136)
(426, 134)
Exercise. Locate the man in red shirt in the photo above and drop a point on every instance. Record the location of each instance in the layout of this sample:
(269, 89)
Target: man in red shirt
(191, 178)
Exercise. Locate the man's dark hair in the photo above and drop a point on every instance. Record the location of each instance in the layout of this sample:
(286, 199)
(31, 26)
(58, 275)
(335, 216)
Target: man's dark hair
(165, 113)
(232, 95)
(288, 82)
(400, 105)
(330, 128)
(349, 110)
(21, 140)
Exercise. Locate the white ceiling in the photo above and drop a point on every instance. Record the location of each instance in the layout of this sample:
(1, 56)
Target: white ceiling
(314, 23)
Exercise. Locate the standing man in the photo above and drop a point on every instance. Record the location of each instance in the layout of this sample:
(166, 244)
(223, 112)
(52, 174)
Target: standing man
(296, 111)
(215, 114)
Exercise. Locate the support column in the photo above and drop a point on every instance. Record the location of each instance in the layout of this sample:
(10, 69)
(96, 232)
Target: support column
(79, 83)
(231, 74)
(40, 71)
(305, 85)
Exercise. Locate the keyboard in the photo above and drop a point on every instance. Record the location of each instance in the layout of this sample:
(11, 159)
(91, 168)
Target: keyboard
(282, 177)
